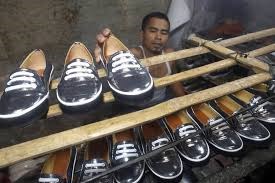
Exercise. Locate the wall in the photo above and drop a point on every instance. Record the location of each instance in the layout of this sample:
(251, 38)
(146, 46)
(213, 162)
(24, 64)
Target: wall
(53, 25)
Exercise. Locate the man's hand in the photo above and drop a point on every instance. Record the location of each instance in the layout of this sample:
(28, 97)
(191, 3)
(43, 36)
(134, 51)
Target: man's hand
(100, 38)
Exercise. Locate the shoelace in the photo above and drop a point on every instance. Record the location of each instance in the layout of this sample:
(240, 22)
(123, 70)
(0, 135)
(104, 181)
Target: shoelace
(159, 143)
(244, 117)
(126, 151)
(49, 180)
(124, 61)
(78, 69)
(218, 129)
(94, 168)
(185, 131)
(28, 81)
(260, 108)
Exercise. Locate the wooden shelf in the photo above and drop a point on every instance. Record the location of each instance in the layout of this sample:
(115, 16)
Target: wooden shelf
(96, 129)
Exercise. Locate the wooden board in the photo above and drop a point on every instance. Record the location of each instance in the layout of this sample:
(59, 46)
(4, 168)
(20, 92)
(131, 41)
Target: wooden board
(247, 61)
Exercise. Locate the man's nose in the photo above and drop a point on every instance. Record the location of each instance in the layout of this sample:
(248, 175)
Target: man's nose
(158, 35)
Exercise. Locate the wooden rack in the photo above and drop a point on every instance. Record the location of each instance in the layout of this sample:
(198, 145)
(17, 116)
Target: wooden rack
(44, 145)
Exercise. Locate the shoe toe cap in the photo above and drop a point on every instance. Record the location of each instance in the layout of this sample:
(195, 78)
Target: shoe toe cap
(130, 174)
(166, 165)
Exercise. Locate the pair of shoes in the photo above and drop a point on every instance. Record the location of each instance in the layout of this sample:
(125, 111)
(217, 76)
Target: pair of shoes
(80, 87)
(194, 150)
(25, 98)
(167, 164)
(247, 126)
(59, 167)
(130, 144)
(101, 154)
(216, 130)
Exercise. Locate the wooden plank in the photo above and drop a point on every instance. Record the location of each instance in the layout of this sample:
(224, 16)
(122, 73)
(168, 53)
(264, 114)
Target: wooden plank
(192, 51)
(54, 110)
(54, 142)
(248, 61)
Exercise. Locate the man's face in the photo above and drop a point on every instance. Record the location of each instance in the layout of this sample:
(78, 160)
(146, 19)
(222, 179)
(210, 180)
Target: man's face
(155, 35)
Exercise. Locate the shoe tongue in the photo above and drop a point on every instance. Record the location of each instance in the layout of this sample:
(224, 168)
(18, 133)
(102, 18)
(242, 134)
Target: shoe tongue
(78, 60)
(25, 70)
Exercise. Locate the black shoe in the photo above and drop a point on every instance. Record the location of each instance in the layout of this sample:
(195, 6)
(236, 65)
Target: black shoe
(194, 149)
(167, 164)
(25, 98)
(96, 161)
(221, 136)
(265, 112)
(129, 81)
(59, 167)
(80, 88)
(125, 147)
(248, 127)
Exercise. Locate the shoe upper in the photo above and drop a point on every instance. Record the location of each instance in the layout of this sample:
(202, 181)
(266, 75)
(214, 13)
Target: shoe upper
(194, 148)
(122, 152)
(223, 136)
(248, 126)
(26, 88)
(263, 111)
(96, 160)
(79, 83)
(94, 167)
(126, 76)
(218, 133)
(166, 164)
(59, 167)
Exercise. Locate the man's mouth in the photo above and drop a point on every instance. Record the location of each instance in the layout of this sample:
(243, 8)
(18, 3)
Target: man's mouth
(157, 45)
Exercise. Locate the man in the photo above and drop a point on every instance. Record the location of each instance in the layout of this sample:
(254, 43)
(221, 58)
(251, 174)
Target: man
(154, 35)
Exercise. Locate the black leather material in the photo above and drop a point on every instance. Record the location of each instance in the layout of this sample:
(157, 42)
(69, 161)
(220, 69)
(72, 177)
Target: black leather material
(247, 126)
(195, 149)
(25, 98)
(221, 136)
(130, 82)
(264, 112)
(79, 87)
(94, 167)
(167, 164)
(125, 151)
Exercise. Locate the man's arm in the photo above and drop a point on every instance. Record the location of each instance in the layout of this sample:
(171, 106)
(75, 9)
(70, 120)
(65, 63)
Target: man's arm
(177, 87)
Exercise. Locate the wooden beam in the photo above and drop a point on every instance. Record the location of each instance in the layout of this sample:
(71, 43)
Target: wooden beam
(54, 142)
(247, 61)
(54, 110)
(192, 51)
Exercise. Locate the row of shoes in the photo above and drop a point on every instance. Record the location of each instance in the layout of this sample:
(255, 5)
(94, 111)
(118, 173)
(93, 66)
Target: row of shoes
(26, 93)
(224, 136)
(122, 147)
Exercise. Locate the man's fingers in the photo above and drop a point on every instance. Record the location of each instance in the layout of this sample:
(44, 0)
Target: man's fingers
(106, 32)
(100, 39)
(97, 53)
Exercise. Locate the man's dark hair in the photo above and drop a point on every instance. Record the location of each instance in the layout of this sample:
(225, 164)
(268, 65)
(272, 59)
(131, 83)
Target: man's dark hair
(154, 15)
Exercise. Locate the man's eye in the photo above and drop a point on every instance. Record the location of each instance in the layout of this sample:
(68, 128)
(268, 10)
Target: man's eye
(152, 30)
(164, 32)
